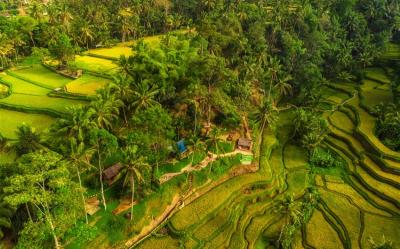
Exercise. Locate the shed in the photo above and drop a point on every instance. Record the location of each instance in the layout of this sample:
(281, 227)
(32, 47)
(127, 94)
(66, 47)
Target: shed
(111, 173)
(244, 144)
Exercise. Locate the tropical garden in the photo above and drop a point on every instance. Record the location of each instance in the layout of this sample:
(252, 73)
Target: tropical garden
(200, 124)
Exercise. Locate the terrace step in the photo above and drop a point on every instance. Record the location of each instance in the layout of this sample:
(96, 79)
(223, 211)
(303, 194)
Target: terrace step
(366, 193)
(336, 223)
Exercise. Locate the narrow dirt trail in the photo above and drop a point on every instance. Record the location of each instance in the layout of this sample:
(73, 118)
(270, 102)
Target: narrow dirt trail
(209, 159)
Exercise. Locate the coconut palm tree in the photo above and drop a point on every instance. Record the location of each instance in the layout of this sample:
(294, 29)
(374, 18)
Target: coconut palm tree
(136, 168)
(105, 108)
(76, 123)
(144, 96)
(266, 114)
(80, 156)
(283, 86)
(28, 140)
(122, 88)
(87, 34)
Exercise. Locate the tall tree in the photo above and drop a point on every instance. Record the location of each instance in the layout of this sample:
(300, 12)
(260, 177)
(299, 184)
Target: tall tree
(136, 168)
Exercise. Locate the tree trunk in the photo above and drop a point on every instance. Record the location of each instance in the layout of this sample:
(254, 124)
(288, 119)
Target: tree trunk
(53, 232)
(101, 181)
(28, 211)
(261, 133)
(133, 194)
(82, 195)
(195, 118)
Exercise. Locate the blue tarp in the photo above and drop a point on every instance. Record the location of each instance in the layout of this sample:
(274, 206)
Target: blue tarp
(181, 146)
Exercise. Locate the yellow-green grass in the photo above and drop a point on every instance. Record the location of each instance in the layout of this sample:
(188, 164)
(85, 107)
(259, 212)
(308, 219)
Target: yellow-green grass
(375, 168)
(383, 188)
(125, 48)
(40, 74)
(7, 157)
(379, 202)
(376, 97)
(392, 51)
(392, 164)
(297, 181)
(367, 126)
(22, 86)
(295, 156)
(377, 74)
(94, 64)
(166, 242)
(10, 120)
(320, 234)
(206, 230)
(256, 226)
(347, 213)
(357, 199)
(334, 95)
(42, 102)
(342, 121)
(3, 89)
(114, 52)
(87, 84)
(376, 227)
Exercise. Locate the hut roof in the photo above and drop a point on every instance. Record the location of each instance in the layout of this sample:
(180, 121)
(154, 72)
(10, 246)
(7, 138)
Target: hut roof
(112, 171)
(244, 142)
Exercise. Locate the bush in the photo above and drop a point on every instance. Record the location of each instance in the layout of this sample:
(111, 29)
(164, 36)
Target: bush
(388, 125)
(324, 158)
(310, 128)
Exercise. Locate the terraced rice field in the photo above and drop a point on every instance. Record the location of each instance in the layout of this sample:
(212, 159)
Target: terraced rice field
(96, 65)
(357, 202)
(9, 120)
(86, 84)
(29, 101)
(115, 52)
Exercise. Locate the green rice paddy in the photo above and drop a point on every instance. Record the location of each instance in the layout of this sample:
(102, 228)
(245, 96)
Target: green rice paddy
(86, 84)
(10, 120)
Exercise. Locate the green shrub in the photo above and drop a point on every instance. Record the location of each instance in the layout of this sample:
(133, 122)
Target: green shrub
(324, 158)
(388, 125)
(310, 128)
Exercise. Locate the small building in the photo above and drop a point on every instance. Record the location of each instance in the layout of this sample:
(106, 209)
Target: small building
(110, 174)
(244, 144)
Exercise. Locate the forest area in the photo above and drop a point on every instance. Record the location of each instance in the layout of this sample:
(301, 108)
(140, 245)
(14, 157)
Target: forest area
(200, 124)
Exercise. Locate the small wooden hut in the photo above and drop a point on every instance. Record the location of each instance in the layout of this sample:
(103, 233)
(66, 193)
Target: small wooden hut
(244, 144)
(110, 174)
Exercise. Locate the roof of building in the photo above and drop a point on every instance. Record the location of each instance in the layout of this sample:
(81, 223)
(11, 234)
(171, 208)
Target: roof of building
(244, 142)
(112, 171)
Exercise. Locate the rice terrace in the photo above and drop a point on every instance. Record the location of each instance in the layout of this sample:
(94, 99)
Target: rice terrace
(200, 124)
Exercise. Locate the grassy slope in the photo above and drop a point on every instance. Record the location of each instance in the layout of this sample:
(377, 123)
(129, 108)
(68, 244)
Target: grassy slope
(42, 75)
(11, 119)
(87, 84)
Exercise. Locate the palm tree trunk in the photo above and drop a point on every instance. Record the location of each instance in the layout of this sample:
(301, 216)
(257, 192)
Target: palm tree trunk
(53, 232)
(101, 180)
(261, 132)
(28, 211)
(133, 194)
(82, 195)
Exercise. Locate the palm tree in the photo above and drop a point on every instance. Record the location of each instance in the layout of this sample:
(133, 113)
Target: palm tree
(136, 167)
(76, 123)
(273, 71)
(283, 86)
(80, 157)
(105, 108)
(213, 139)
(266, 114)
(6, 50)
(87, 34)
(122, 87)
(291, 211)
(144, 96)
(28, 140)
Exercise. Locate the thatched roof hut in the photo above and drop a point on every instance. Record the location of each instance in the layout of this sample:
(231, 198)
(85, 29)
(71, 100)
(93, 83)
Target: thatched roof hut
(112, 172)
(244, 144)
